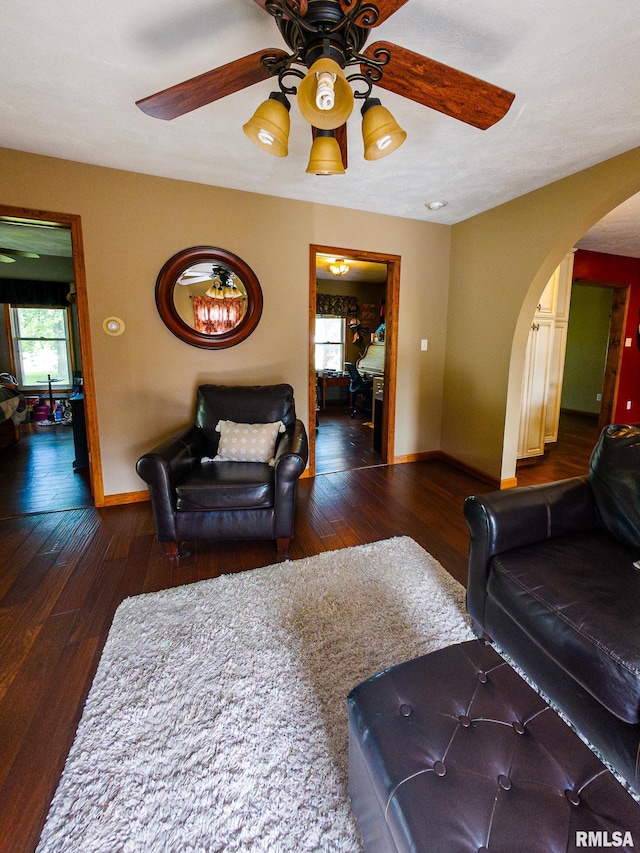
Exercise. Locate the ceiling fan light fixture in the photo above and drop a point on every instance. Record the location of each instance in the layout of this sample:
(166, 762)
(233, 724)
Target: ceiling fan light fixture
(325, 97)
(269, 126)
(325, 157)
(5, 259)
(339, 267)
(326, 37)
(381, 133)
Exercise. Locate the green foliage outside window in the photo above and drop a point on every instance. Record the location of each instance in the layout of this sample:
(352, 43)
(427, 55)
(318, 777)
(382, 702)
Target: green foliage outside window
(329, 343)
(41, 336)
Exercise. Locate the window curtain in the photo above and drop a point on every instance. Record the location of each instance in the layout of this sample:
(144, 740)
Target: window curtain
(337, 306)
(39, 294)
(213, 316)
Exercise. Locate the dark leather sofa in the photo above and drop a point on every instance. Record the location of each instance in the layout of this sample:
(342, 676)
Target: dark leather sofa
(554, 581)
(227, 499)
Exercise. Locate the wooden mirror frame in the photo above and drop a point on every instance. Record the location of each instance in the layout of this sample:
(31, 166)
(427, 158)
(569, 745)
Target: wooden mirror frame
(166, 282)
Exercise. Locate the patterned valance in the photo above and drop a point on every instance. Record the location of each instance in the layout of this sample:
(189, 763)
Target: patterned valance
(16, 291)
(338, 306)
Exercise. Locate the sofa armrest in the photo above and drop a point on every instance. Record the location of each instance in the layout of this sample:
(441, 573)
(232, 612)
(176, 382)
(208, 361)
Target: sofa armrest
(162, 468)
(292, 453)
(514, 518)
(291, 459)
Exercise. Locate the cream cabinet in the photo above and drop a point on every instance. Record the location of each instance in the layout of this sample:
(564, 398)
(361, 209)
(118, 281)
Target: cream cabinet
(544, 364)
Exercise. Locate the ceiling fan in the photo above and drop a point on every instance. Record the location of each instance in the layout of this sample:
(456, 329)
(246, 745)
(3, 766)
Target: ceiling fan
(9, 256)
(324, 38)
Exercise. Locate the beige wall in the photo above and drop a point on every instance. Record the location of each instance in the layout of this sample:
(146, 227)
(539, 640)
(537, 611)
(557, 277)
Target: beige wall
(500, 262)
(475, 311)
(145, 379)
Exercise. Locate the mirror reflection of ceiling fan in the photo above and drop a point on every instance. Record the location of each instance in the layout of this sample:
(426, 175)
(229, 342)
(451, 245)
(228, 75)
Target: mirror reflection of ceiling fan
(196, 273)
(326, 37)
(9, 256)
(223, 280)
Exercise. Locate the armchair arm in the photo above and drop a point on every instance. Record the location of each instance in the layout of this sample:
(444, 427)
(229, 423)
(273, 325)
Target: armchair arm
(163, 467)
(514, 518)
(291, 458)
(292, 453)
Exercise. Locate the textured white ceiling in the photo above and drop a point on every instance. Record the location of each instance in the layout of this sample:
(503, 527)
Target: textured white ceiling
(70, 73)
(618, 233)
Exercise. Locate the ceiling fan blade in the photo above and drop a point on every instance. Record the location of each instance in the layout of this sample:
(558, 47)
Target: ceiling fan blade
(210, 86)
(341, 137)
(197, 269)
(17, 253)
(439, 86)
(196, 279)
(386, 9)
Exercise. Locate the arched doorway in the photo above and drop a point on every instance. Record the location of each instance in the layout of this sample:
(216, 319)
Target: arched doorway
(616, 278)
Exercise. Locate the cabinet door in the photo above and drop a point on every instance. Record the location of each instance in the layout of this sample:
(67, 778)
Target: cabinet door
(556, 375)
(534, 389)
(565, 278)
(547, 305)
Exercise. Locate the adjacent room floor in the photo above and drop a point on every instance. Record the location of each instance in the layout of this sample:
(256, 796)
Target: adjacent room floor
(38, 473)
(344, 443)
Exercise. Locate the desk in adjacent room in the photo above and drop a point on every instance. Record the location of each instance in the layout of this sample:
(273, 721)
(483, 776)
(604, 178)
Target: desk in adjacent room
(332, 380)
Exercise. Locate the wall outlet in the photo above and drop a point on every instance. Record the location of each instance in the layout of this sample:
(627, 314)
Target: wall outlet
(628, 404)
(599, 398)
(627, 342)
(424, 343)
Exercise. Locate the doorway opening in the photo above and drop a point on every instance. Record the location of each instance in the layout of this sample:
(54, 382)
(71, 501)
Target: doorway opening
(51, 461)
(572, 371)
(594, 349)
(353, 351)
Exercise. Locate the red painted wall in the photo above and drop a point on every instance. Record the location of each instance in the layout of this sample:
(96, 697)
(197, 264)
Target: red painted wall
(619, 270)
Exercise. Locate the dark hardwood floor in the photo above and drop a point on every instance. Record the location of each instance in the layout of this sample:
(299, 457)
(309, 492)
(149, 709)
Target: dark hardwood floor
(569, 456)
(64, 573)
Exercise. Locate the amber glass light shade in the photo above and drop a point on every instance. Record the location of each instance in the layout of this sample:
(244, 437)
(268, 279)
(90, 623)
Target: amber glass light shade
(325, 75)
(326, 157)
(381, 133)
(269, 126)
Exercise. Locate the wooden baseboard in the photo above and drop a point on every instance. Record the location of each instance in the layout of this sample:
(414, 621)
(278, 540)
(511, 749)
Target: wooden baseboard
(425, 456)
(509, 483)
(124, 498)
(592, 415)
(487, 478)
(429, 455)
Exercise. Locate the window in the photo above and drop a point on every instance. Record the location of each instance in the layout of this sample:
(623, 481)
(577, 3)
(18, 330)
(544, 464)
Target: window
(329, 343)
(41, 341)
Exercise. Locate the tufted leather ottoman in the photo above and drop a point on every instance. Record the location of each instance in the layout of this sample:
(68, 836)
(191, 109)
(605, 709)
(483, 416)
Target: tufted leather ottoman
(454, 752)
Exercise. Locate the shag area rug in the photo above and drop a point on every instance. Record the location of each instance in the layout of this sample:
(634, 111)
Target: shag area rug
(217, 717)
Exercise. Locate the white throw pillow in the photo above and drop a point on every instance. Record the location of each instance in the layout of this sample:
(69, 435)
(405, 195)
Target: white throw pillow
(247, 442)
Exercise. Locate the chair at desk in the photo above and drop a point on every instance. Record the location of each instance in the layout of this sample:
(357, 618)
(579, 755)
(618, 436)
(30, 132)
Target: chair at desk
(361, 389)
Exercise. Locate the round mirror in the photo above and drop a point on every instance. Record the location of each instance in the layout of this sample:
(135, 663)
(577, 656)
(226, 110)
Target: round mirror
(208, 297)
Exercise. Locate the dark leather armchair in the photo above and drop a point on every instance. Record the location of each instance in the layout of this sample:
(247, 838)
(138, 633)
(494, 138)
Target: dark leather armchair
(193, 498)
(360, 388)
